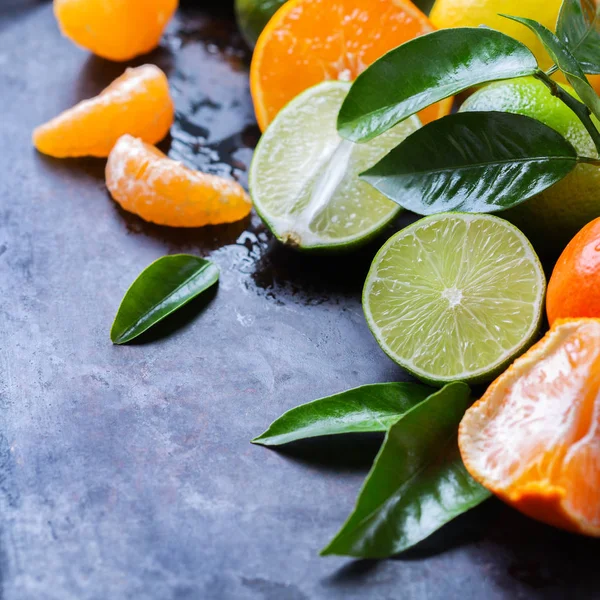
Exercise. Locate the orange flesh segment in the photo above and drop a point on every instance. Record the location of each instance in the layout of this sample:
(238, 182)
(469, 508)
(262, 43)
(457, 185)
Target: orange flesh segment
(309, 41)
(137, 103)
(114, 29)
(160, 190)
(534, 437)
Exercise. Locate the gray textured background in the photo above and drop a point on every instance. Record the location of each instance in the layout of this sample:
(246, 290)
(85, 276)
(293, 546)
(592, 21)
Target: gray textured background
(126, 472)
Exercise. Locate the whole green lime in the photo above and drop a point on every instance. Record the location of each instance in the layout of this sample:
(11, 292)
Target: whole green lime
(553, 217)
(253, 15)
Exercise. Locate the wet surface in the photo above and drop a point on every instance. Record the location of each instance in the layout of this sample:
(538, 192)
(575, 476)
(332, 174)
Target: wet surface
(126, 472)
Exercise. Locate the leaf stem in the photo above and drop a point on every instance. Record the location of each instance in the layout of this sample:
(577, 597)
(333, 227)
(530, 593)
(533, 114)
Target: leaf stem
(580, 109)
(589, 161)
(551, 70)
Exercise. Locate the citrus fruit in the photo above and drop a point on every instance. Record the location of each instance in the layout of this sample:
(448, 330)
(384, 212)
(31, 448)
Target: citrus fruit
(253, 15)
(473, 13)
(138, 103)
(534, 437)
(309, 41)
(147, 183)
(551, 218)
(574, 288)
(114, 29)
(304, 177)
(455, 297)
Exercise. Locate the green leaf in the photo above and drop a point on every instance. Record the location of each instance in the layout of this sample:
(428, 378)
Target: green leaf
(253, 15)
(426, 70)
(565, 61)
(163, 287)
(368, 408)
(579, 29)
(417, 484)
(473, 162)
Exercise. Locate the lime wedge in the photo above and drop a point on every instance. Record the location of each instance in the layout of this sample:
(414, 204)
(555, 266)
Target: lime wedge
(455, 297)
(304, 176)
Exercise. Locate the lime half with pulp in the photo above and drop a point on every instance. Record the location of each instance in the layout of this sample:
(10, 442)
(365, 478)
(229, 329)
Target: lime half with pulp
(304, 177)
(455, 297)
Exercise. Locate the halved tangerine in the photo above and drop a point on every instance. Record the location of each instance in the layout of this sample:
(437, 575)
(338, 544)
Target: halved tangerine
(138, 103)
(534, 437)
(309, 41)
(146, 182)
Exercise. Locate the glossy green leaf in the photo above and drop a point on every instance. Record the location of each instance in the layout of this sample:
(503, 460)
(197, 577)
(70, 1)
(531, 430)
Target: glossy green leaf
(368, 408)
(163, 287)
(417, 484)
(426, 70)
(579, 29)
(473, 162)
(565, 61)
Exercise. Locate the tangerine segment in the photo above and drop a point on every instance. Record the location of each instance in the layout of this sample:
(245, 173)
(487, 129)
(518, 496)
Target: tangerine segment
(534, 437)
(137, 103)
(115, 29)
(309, 41)
(163, 191)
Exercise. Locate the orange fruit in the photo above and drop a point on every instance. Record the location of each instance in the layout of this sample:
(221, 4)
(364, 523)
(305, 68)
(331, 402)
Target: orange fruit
(147, 183)
(310, 41)
(574, 288)
(138, 103)
(534, 437)
(595, 81)
(114, 29)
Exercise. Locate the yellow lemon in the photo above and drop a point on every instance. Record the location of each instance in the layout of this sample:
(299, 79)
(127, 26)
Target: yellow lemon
(472, 13)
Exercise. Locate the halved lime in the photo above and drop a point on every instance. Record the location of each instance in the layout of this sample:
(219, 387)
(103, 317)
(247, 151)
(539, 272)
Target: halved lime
(304, 177)
(455, 297)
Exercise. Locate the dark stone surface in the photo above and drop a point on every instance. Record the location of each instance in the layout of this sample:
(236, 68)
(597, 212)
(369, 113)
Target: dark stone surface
(126, 472)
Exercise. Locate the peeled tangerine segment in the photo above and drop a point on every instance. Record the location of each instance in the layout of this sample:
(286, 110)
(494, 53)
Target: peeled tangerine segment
(138, 103)
(114, 29)
(534, 437)
(160, 190)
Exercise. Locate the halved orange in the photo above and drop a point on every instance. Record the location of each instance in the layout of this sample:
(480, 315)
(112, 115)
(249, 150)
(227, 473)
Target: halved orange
(146, 182)
(309, 41)
(534, 437)
(138, 103)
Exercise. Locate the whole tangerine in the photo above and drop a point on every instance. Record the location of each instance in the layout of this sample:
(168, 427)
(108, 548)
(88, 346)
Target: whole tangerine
(114, 29)
(574, 288)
